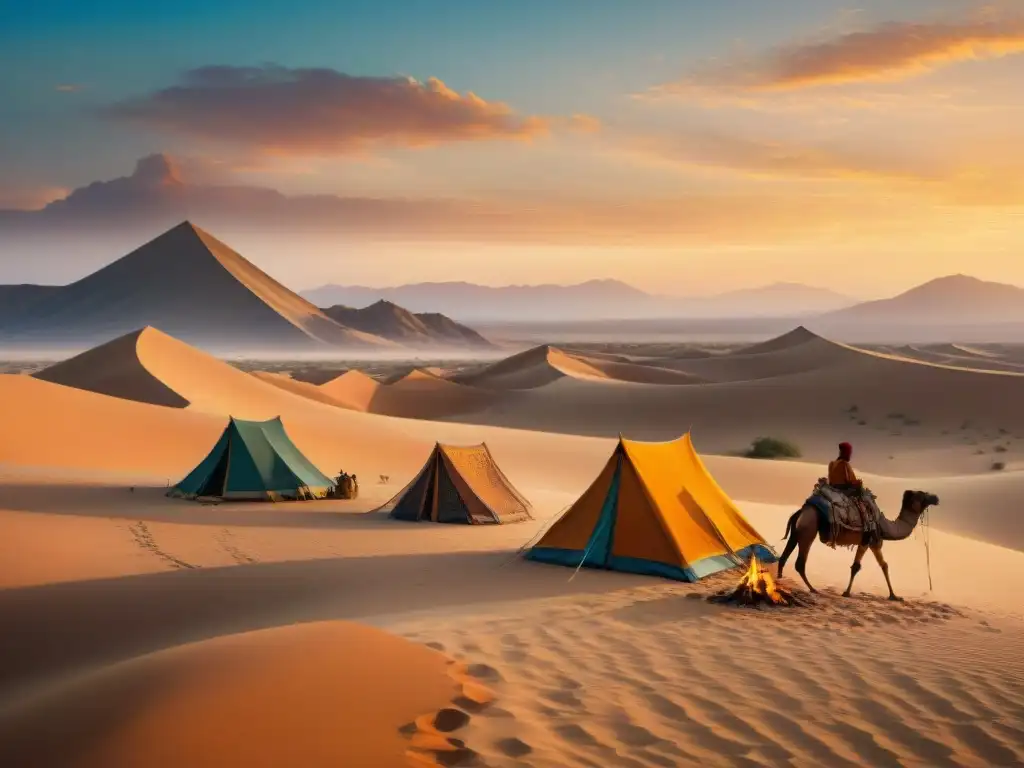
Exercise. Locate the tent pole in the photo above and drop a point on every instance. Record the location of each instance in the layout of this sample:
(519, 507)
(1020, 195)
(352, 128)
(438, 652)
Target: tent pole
(585, 553)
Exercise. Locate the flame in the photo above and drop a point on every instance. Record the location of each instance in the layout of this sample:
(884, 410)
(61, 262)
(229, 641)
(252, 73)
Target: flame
(757, 587)
(759, 580)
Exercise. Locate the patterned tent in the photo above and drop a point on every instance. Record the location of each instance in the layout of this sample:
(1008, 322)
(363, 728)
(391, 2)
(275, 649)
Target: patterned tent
(459, 484)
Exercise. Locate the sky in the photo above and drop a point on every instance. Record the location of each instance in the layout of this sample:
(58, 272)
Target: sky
(681, 145)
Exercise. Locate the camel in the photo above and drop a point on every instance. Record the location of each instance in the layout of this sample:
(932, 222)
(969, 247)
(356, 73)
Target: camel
(802, 530)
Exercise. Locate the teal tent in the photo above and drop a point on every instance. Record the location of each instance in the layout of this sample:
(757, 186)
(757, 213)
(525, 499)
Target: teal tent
(255, 460)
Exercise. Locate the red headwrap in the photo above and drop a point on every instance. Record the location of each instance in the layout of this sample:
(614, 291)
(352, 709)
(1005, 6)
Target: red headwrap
(845, 451)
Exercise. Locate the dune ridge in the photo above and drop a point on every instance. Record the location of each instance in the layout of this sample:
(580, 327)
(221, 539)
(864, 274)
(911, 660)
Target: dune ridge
(317, 694)
(545, 364)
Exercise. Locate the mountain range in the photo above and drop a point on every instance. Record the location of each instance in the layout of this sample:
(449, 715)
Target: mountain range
(591, 300)
(189, 284)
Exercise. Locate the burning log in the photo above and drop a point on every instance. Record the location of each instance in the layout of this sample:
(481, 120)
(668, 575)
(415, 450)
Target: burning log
(757, 587)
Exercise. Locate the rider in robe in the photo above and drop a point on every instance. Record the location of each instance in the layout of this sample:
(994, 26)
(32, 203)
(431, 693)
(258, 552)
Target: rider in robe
(840, 473)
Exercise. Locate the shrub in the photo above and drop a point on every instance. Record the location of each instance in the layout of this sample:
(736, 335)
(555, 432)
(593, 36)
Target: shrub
(998, 465)
(772, 448)
(1000, 449)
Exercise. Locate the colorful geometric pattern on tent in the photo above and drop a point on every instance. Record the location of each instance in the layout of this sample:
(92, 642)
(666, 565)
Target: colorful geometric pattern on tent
(459, 484)
(254, 460)
(656, 510)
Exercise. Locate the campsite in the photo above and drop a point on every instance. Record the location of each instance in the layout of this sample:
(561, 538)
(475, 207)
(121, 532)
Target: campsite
(512, 385)
(539, 568)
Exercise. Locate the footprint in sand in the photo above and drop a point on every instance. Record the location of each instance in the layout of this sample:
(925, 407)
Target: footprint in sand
(484, 672)
(634, 735)
(565, 698)
(448, 719)
(513, 747)
(576, 734)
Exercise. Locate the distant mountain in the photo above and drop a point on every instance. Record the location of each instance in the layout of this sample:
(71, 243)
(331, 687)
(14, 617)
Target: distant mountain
(468, 301)
(189, 284)
(951, 300)
(15, 300)
(186, 283)
(595, 299)
(777, 300)
(398, 324)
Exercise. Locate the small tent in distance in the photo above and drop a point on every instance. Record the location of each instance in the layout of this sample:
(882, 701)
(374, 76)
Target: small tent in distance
(459, 484)
(655, 510)
(254, 460)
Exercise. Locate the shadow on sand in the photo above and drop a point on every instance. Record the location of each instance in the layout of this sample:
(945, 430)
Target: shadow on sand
(150, 504)
(58, 629)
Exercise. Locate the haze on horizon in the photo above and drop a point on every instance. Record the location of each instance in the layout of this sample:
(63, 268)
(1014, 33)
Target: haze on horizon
(689, 149)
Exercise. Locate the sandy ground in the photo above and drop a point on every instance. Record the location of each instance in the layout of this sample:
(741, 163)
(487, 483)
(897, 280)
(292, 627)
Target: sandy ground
(111, 592)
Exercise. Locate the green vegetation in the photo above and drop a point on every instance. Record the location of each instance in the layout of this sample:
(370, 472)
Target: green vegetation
(772, 448)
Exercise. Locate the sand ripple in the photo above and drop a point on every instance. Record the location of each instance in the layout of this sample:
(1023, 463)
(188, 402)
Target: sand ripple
(653, 677)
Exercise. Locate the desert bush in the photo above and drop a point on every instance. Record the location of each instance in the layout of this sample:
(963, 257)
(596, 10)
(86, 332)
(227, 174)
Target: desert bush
(998, 465)
(1000, 449)
(772, 448)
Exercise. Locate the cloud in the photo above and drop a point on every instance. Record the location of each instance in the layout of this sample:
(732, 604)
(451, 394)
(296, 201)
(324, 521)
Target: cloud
(772, 159)
(277, 110)
(29, 197)
(68, 87)
(888, 52)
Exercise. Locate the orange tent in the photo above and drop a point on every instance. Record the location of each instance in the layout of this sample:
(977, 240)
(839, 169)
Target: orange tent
(654, 509)
(459, 484)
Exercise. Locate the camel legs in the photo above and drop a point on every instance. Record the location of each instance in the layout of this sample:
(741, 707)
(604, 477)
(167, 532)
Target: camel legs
(855, 568)
(790, 546)
(876, 550)
(806, 540)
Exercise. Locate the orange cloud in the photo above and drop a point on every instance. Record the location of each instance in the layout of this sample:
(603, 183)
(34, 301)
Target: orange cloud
(68, 87)
(29, 198)
(774, 159)
(284, 111)
(892, 51)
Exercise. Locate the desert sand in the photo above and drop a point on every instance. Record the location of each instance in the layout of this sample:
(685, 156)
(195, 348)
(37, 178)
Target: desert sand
(116, 593)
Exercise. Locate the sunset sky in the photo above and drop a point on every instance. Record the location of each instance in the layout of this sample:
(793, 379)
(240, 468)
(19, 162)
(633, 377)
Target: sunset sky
(682, 146)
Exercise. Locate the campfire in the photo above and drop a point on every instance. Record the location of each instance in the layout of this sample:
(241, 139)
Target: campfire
(757, 587)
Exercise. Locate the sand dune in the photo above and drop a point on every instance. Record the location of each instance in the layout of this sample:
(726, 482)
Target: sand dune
(118, 368)
(795, 338)
(151, 367)
(673, 681)
(799, 351)
(320, 694)
(815, 393)
(190, 617)
(953, 355)
(543, 365)
(353, 389)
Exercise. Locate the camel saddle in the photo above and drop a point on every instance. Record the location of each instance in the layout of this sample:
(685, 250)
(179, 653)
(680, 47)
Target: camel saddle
(840, 511)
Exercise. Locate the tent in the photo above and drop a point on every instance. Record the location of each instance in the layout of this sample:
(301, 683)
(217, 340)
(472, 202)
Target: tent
(459, 484)
(254, 460)
(656, 510)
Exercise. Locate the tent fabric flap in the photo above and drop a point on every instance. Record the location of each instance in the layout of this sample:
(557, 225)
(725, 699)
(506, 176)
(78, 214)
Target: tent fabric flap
(654, 510)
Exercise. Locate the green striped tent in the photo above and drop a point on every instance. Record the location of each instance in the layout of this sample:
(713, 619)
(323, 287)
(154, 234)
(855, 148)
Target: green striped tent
(254, 460)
